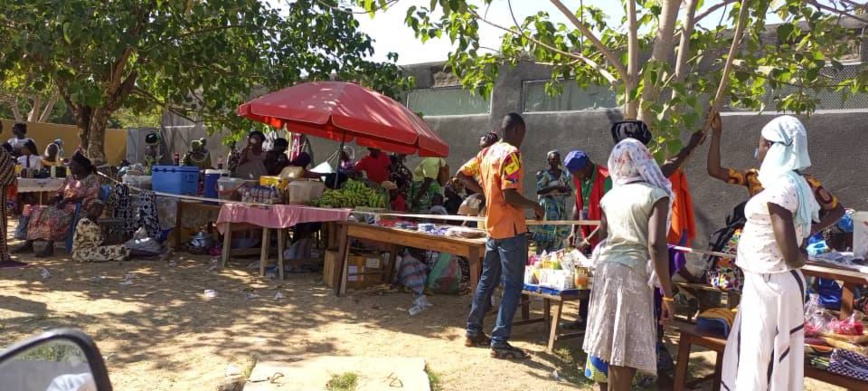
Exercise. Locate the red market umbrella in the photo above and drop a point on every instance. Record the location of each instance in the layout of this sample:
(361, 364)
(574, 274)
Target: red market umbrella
(343, 111)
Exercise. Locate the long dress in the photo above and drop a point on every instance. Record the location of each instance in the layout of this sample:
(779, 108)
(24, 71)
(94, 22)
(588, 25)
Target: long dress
(551, 237)
(53, 223)
(87, 245)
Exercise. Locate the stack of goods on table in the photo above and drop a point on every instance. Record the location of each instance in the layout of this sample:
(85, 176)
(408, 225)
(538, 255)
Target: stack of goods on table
(434, 229)
(837, 345)
(352, 194)
(557, 271)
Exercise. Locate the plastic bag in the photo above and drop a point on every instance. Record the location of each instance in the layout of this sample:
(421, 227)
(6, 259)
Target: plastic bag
(412, 274)
(445, 276)
(470, 206)
(850, 326)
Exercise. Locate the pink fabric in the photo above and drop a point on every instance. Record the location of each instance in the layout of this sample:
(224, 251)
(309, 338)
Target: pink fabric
(277, 216)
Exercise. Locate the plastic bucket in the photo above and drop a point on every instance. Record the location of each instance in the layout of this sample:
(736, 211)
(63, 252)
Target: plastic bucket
(211, 178)
(860, 235)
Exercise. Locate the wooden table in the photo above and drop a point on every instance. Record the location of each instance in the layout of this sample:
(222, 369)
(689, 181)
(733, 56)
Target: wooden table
(553, 319)
(472, 249)
(851, 279)
(690, 335)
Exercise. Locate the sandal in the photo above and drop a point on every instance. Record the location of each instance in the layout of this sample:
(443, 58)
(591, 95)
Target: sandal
(479, 341)
(508, 352)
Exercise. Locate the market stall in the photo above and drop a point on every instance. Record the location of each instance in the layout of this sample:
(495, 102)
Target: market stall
(406, 235)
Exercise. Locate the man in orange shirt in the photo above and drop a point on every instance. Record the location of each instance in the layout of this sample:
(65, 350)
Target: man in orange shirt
(500, 174)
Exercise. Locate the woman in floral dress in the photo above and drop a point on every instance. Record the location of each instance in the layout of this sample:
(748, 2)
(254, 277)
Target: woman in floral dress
(553, 189)
(52, 223)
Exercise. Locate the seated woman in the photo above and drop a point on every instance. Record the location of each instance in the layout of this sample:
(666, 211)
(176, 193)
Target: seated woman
(87, 244)
(276, 159)
(52, 223)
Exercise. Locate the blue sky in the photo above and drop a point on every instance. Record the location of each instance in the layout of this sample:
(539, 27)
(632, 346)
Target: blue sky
(392, 35)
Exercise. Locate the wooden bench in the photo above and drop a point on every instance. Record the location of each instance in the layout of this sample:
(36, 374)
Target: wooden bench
(553, 319)
(690, 336)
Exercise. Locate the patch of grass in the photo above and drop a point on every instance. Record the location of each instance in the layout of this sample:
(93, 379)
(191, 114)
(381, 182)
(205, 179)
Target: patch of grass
(433, 379)
(571, 364)
(347, 381)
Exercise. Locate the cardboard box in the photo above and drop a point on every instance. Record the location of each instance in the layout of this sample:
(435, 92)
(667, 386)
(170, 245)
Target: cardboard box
(362, 270)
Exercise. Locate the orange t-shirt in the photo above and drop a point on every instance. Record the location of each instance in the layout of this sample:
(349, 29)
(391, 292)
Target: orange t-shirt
(499, 168)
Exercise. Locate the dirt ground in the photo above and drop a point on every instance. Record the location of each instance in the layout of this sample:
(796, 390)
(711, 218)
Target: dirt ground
(162, 333)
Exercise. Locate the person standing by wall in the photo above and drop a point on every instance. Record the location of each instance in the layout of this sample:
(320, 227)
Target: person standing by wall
(7, 180)
(553, 189)
(621, 324)
(770, 353)
(501, 172)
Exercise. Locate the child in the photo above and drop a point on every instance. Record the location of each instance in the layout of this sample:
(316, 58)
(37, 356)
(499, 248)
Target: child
(30, 160)
(437, 205)
(87, 242)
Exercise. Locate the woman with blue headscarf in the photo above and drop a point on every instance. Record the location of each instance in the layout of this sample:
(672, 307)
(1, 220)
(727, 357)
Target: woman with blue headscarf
(770, 353)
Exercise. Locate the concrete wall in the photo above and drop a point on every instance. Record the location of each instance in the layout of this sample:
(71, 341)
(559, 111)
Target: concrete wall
(838, 141)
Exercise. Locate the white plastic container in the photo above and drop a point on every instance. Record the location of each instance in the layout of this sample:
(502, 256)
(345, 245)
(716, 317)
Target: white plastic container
(860, 235)
(302, 191)
(140, 181)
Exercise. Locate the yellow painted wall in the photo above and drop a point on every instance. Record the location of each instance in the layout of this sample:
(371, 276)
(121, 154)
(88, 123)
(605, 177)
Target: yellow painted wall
(44, 133)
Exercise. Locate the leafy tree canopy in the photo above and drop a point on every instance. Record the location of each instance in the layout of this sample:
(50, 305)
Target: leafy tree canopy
(665, 58)
(197, 58)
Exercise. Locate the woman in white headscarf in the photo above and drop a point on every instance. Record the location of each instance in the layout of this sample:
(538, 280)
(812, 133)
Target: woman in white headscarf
(769, 355)
(621, 325)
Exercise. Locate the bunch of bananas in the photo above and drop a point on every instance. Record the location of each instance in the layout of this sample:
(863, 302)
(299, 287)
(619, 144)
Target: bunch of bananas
(353, 194)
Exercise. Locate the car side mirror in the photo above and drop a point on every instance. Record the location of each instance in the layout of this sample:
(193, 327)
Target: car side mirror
(57, 360)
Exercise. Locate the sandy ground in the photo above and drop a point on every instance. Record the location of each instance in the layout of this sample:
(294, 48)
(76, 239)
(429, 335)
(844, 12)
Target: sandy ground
(162, 333)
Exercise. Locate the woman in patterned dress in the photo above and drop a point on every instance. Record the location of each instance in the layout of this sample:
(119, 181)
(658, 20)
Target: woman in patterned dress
(553, 188)
(52, 223)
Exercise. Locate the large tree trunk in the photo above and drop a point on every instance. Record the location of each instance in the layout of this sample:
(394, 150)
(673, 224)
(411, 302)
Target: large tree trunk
(661, 53)
(91, 123)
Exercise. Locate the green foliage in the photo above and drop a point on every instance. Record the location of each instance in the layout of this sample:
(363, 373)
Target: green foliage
(198, 58)
(808, 41)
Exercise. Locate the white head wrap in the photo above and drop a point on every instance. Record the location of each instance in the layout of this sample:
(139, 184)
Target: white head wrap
(631, 162)
(787, 155)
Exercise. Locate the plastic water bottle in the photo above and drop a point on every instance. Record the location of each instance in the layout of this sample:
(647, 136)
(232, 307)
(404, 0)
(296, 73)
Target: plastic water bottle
(176, 158)
(220, 163)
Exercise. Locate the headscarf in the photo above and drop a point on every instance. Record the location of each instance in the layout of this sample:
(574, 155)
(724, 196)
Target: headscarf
(576, 160)
(631, 162)
(787, 155)
(634, 129)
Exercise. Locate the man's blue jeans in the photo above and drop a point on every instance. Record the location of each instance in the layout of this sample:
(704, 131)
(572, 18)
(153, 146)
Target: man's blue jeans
(504, 258)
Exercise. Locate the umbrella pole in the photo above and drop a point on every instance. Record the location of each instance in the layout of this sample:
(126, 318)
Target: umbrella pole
(340, 149)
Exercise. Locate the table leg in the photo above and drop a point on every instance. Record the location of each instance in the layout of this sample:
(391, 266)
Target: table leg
(179, 213)
(227, 244)
(263, 256)
(281, 245)
(718, 369)
(340, 259)
(525, 307)
(474, 260)
(847, 296)
(393, 258)
(547, 311)
(682, 361)
(555, 322)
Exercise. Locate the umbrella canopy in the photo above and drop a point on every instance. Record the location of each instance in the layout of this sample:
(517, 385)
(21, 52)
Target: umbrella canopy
(343, 111)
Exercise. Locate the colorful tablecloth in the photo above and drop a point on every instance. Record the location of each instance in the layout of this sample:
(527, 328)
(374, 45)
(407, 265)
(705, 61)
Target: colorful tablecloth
(36, 185)
(277, 216)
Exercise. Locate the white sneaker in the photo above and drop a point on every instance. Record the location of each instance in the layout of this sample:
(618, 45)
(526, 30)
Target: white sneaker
(422, 301)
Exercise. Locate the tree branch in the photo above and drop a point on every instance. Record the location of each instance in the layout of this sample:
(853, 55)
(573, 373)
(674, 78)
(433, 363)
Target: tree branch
(710, 10)
(684, 44)
(727, 67)
(836, 11)
(633, 61)
(607, 53)
(593, 64)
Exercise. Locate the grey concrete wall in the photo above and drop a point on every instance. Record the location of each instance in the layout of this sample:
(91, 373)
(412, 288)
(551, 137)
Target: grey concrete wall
(838, 142)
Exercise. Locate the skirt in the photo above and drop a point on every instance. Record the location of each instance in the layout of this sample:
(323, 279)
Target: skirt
(621, 328)
(770, 353)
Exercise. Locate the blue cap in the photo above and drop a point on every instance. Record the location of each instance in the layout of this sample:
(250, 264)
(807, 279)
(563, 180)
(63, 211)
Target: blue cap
(576, 160)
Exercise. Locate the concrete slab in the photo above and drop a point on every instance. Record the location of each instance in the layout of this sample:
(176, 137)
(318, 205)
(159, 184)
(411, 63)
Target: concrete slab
(374, 373)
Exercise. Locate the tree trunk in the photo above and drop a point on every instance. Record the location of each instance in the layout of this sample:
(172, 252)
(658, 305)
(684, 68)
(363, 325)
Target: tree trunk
(49, 107)
(661, 53)
(91, 123)
(631, 103)
(33, 115)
